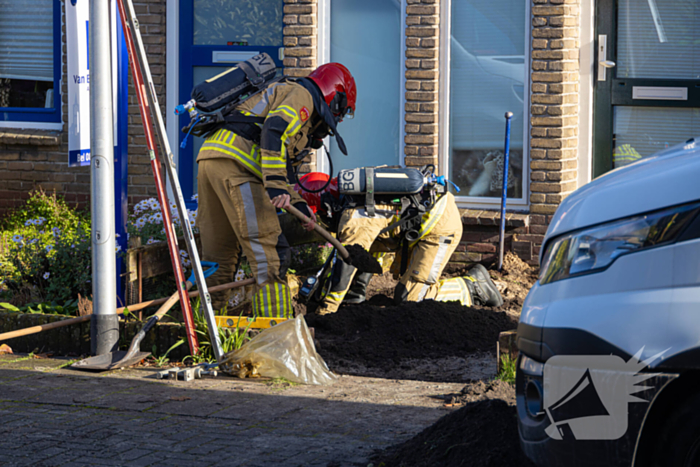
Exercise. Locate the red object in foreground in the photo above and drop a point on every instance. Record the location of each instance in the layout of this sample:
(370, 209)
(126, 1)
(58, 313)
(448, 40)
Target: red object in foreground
(316, 181)
(162, 196)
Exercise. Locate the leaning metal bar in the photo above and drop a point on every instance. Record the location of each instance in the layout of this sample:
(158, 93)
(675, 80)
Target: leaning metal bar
(174, 182)
(160, 187)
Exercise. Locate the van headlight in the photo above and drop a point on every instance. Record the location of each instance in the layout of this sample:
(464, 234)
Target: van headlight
(594, 249)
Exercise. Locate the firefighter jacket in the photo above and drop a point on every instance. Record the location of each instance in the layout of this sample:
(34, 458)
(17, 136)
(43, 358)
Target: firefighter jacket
(287, 108)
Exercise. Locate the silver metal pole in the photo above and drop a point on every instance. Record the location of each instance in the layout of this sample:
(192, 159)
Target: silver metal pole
(104, 328)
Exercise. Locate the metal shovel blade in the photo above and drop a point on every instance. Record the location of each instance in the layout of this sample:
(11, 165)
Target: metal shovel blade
(110, 361)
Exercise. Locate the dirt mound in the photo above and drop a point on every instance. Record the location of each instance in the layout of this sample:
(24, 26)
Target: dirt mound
(481, 390)
(381, 337)
(483, 433)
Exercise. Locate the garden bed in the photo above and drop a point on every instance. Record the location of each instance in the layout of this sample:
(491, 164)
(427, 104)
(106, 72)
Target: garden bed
(74, 340)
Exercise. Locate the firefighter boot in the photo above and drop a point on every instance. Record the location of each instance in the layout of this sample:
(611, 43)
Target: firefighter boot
(358, 289)
(483, 291)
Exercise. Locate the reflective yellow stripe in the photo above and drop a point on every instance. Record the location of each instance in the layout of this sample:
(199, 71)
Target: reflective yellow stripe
(292, 128)
(238, 155)
(336, 296)
(430, 218)
(218, 142)
(287, 110)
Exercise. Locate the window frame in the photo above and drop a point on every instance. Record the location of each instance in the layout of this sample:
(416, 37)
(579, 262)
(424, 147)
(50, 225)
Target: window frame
(514, 204)
(34, 117)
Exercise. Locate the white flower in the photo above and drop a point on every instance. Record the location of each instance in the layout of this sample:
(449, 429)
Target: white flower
(116, 235)
(151, 241)
(49, 248)
(56, 231)
(240, 275)
(153, 204)
(17, 238)
(140, 223)
(39, 221)
(195, 197)
(46, 275)
(185, 262)
(118, 248)
(184, 254)
(29, 222)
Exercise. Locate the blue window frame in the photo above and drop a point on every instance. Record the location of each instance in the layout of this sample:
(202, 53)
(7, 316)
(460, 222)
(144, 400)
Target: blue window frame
(212, 40)
(31, 114)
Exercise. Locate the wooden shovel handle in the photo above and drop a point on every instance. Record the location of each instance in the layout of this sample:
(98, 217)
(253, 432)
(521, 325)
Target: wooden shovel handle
(44, 327)
(321, 231)
(167, 304)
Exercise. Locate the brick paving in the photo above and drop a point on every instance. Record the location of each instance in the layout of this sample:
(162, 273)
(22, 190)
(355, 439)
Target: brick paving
(52, 416)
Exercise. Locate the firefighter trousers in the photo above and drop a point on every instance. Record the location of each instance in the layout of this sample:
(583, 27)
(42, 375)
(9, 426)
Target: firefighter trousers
(428, 257)
(355, 227)
(235, 214)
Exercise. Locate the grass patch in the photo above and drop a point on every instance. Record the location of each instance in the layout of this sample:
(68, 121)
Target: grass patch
(507, 371)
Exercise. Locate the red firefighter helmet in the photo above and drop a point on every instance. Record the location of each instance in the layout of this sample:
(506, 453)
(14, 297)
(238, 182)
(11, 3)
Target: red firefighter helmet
(338, 88)
(315, 181)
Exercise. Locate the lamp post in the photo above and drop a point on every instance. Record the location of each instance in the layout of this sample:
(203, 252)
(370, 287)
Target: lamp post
(104, 327)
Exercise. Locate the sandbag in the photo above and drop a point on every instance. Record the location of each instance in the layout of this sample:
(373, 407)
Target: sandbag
(282, 351)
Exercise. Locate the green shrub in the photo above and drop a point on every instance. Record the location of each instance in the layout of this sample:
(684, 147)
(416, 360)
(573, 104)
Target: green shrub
(46, 253)
(310, 256)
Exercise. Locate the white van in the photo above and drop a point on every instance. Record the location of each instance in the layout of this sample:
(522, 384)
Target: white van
(609, 337)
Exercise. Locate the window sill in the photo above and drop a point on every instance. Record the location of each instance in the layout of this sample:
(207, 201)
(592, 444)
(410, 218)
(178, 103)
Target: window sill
(481, 217)
(29, 137)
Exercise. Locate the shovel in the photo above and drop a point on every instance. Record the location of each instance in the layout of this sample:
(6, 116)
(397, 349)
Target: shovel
(123, 359)
(360, 259)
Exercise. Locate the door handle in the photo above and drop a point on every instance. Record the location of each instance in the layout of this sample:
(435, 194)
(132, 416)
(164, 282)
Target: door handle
(603, 62)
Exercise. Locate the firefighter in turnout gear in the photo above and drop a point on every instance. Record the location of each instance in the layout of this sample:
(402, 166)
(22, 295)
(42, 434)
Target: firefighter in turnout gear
(428, 252)
(243, 179)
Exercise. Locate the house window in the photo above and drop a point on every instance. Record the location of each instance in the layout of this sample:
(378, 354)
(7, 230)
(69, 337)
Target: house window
(30, 61)
(486, 46)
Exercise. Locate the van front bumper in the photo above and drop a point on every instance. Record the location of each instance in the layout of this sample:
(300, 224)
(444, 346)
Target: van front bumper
(533, 420)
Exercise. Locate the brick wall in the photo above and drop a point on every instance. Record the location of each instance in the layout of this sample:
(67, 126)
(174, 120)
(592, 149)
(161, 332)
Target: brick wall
(300, 47)
(152, 20)
(554, 108)
(39, 159)
(422, 73)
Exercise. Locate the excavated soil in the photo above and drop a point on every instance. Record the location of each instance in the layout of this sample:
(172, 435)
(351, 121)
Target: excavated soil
(383, 337)
(483, 433)
(363, 260)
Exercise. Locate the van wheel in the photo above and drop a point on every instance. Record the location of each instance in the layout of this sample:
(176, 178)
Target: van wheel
(679, 443)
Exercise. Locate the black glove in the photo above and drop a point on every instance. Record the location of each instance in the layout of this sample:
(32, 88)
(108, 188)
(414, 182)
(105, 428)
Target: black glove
(275, 192)
(303, 208)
